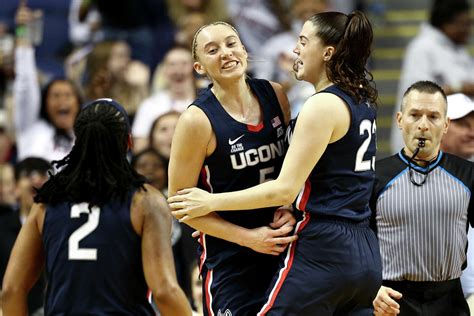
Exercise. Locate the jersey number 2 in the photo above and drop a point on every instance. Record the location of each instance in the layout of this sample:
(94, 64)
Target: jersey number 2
(361, 164)
(76, 253)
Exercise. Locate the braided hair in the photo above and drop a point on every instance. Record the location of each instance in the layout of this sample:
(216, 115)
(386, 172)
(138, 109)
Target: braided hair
(96, 170)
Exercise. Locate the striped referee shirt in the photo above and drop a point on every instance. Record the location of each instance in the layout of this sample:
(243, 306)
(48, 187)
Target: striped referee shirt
(422, 229)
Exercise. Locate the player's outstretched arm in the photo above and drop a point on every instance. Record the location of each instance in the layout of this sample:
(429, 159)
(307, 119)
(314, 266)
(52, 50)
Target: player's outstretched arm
(157, 255)
(25, 265)
(323, 119)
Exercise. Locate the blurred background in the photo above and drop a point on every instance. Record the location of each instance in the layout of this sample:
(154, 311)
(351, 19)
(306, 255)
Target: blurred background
(57, 54)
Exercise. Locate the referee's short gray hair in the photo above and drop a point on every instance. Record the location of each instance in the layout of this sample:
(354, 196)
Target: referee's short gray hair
(425, 86)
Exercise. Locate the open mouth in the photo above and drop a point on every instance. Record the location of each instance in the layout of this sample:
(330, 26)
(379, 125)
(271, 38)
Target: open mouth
(230, 64)
(297, 64)
(178, 78)
(63, 112)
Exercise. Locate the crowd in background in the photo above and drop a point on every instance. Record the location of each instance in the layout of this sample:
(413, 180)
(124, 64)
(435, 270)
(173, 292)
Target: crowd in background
(57, 54)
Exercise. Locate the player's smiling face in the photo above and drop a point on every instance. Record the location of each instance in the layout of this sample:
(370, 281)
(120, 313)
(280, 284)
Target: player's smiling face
(220, 53)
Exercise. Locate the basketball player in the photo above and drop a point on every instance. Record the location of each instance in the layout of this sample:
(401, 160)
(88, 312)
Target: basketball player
(334, 267)
(230, 138)
(100, 232)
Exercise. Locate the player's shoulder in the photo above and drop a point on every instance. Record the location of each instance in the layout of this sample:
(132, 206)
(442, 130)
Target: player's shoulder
(38, 213)
(193, 128)
(194, 117)
(326, 108)
(325, 99)
(148, 196)
(148, 203)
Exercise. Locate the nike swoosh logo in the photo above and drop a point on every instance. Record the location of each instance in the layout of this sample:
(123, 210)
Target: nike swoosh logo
(232, 142)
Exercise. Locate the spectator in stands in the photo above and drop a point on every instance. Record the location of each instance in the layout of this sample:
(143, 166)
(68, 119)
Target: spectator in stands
(213, 10)
(7, 185)
(30, 174)
(111, 73)
(275, 58)
(7, 146)
(188, 26)
(189, 15)
(161, 133)
(256, 21)
(439, 54)
(43, 122)
(152, 165)
(176, 90)
(82, 28)
(459, 141)
(6, 62)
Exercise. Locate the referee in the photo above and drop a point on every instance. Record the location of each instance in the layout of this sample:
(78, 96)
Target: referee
(423, 203)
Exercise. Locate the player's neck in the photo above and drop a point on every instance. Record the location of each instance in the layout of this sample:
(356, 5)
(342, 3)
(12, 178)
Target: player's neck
(322, 83)
(234, 94)
(237, 99)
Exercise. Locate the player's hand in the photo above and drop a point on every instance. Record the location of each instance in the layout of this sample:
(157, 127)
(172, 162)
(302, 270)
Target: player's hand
(190, 203)
(283, 217)
(269, 241)
(23, 15)
(384, 303)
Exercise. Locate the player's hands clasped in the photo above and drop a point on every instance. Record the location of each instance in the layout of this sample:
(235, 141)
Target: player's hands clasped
(283, 217)
(190, 203)
(269, 241)
(384, 303)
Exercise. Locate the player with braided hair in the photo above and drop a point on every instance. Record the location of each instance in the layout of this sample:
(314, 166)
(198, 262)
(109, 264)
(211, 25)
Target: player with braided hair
(100, 231)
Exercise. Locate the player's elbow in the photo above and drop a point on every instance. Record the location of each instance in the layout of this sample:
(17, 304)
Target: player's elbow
(166, 293)
(10, 291)
(283, 194)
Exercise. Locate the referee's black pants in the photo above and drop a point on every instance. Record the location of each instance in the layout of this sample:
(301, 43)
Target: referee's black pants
(443, 298)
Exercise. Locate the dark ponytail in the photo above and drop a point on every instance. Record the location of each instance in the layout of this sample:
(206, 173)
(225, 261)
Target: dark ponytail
(352, 38)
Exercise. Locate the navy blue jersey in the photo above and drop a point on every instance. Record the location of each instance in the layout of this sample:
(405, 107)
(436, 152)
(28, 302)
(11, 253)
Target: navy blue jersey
(93, 261)
(341, 183)
(245, 156)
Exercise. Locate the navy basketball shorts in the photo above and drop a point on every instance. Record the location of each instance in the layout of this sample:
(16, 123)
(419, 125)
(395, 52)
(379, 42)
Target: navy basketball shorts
(237, 286)
(334, 268)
